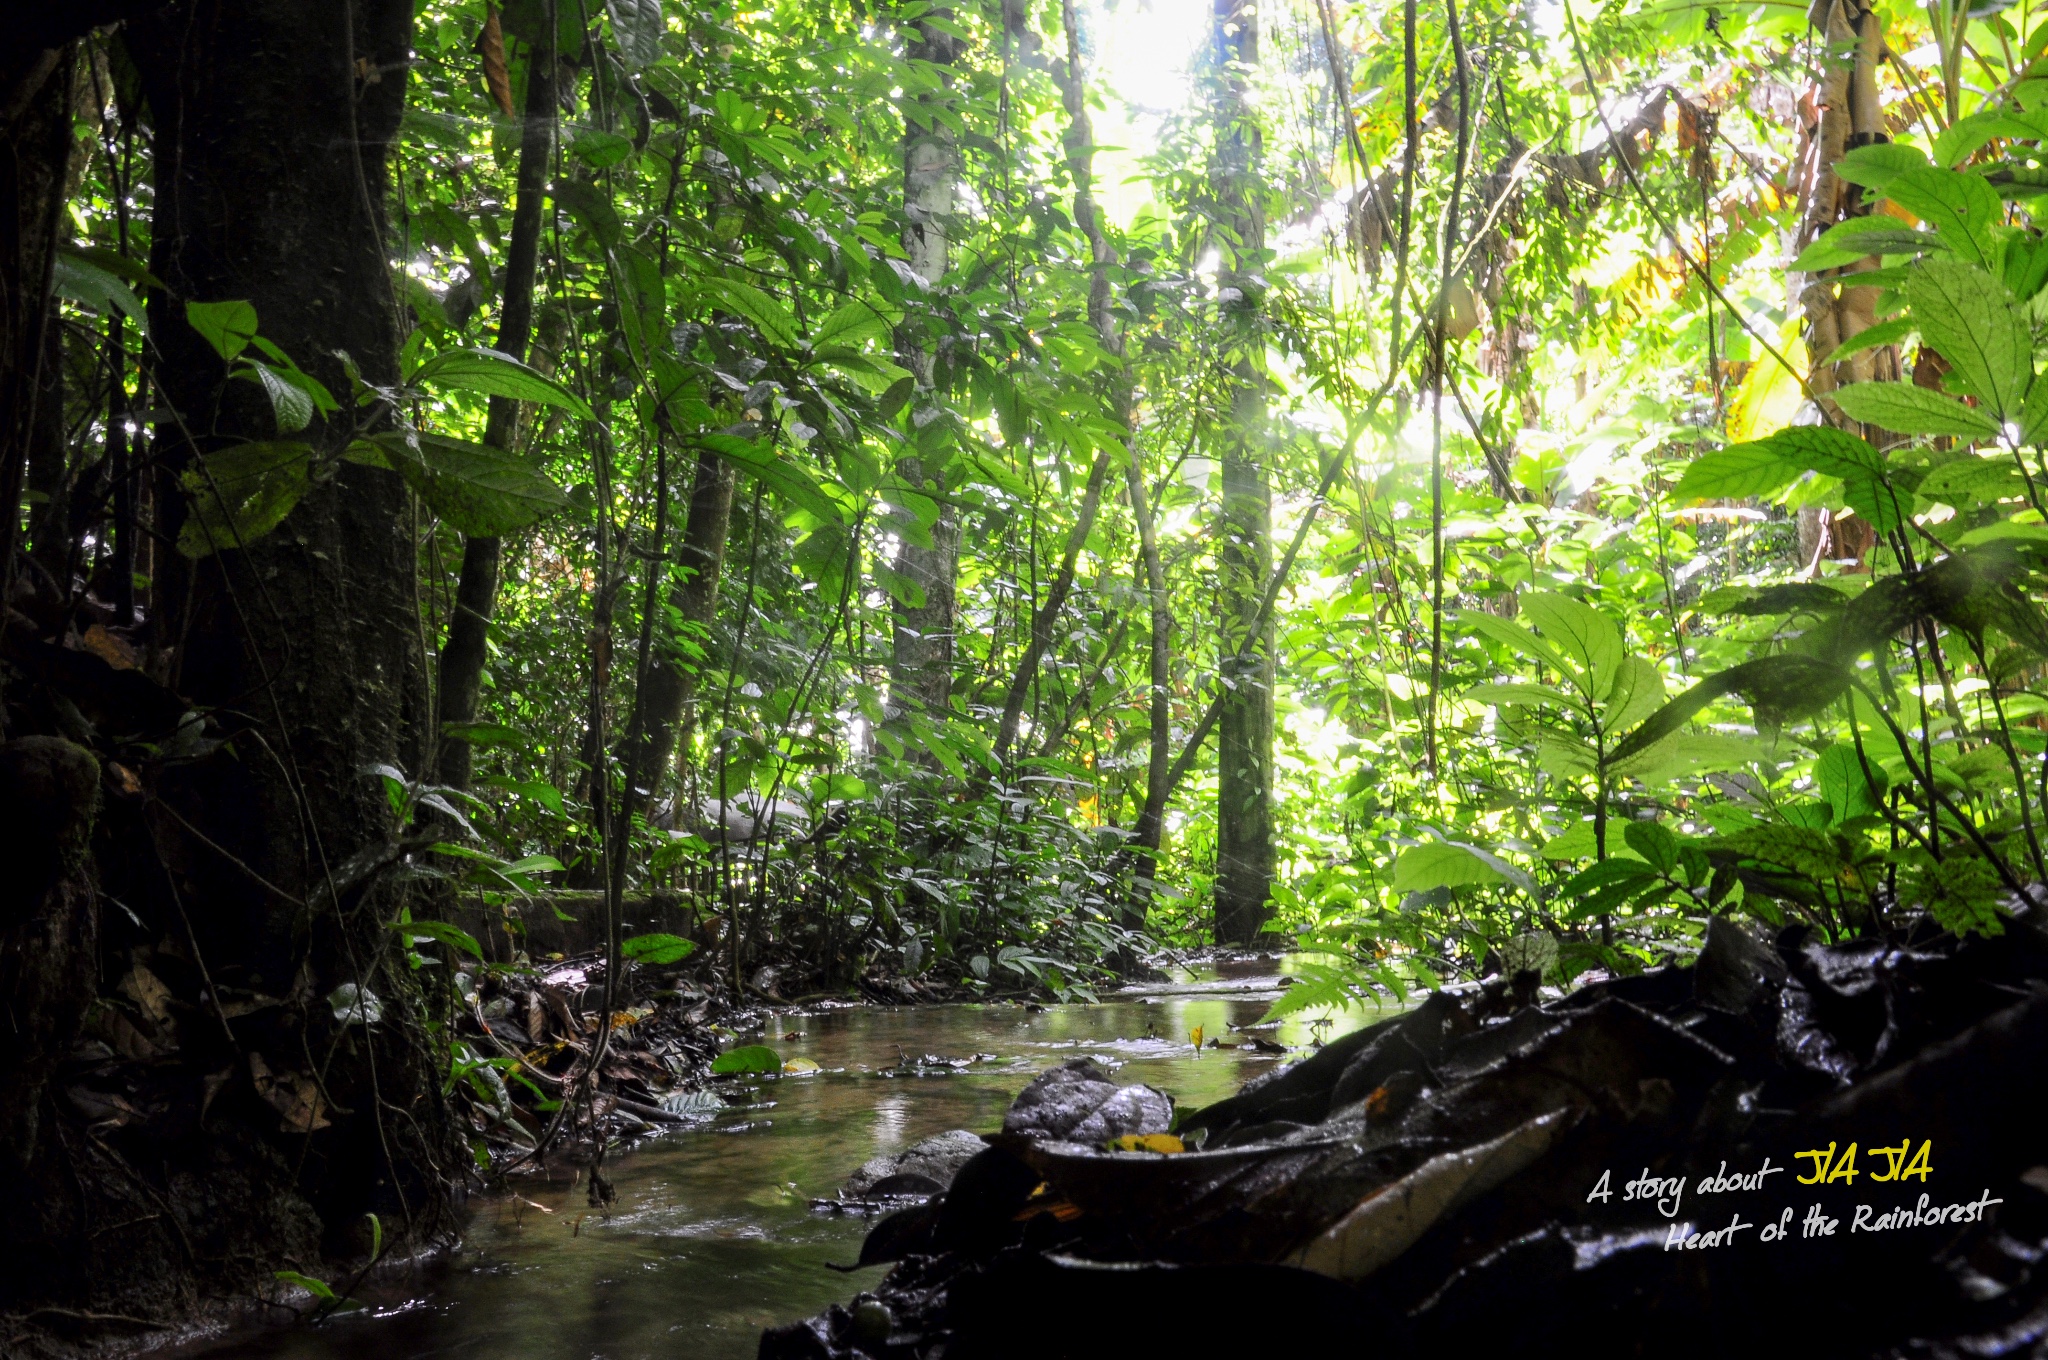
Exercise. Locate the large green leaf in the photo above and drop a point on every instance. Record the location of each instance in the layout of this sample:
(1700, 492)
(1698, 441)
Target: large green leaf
(241, 493)
(227, 326)
(89, 283)
(1876, 166)
(749, 1058)
(1582, 633)
(638, 25)
(769, 317)
(1975, 480)
(482, 491)
(852, 324)
(1968, 316)
(657, 950)
(1532, 696)
(1853, 785)
(643, 297)
(1512, 636)
(1858, 237)
(1961, 208)
(1638, 691)
(1438, 864)
(783, 476)
(1737, 472)
(1907, 409)
(1778, 687)
(494, 373)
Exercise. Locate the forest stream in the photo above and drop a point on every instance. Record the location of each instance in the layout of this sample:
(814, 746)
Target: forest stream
(714, 1236)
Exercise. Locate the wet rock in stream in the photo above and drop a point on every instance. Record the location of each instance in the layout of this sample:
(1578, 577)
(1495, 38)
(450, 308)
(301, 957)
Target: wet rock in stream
(1788, 1146)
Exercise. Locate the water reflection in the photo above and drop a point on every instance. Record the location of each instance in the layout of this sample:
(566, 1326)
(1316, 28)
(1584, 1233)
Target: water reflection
(712, 1237)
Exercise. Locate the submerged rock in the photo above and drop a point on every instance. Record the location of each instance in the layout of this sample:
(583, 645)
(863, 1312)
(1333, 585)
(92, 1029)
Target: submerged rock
(936, 1161)
(1077, 1102)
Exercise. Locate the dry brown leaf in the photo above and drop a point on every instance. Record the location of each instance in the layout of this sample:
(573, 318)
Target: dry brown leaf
(294, 1095)
(1394, 1217)
(491, 44)
(149, 994)
(116, 652)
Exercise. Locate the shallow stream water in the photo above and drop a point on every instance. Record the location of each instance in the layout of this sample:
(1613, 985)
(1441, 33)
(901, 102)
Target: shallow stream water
(713, 1236)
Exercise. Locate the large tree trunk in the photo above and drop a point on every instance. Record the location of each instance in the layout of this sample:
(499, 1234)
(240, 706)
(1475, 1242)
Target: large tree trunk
(35, 136)
(274, 121)
(921, 659)
(1244, 787)
(476, 590)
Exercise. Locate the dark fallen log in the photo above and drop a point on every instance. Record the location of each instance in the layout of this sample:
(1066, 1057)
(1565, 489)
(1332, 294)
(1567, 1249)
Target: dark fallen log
(1786, 1148)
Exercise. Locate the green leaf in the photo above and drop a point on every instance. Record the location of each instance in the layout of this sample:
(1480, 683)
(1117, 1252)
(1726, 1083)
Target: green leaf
(493, 373)
(638, 26)
(601, 149)
(1962, 893)
(853, 324)
(318, 1288)
(1638, 691)
(487, 734)
(1778, 687)
(455, 937)
(1893, 332)
(769, 317)
(657, 950)
(1654, 842)
(644, 296)
(1843, 781)
(1582, 633)
(90, 284)
(1814, 854)
(482, 491)
(292, 406)
(752, 1058)
(1877, 165)
(1907, 409)
(1860, 237)
(1969, 317)
(1961, 208)
(786, 478)
(1437, 864)
(1738, 472)
(1531, 696)
(1512, 636)
(227, 326)
(240, 493)
(1970, 480)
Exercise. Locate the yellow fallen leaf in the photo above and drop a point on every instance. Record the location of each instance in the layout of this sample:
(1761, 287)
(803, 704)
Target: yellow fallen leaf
(1196, 1035)
(799, 1066)
(1147, 1142)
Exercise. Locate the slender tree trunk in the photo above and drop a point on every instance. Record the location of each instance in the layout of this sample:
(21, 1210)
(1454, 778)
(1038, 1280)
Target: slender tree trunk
(1244, 790)
(1149, 832)
(669, 689)
(476, 589)
(1048, 612)
(274, 121)
(921, 662)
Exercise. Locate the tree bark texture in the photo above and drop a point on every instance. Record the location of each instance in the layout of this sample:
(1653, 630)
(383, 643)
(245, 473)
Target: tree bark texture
(1850, 117)
(35, 135)
(921, 657)
(1244, 790)
(669, 689)
(273, 126)
(476, 589)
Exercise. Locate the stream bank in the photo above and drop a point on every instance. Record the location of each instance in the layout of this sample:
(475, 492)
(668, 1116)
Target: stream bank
(712, 1236)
